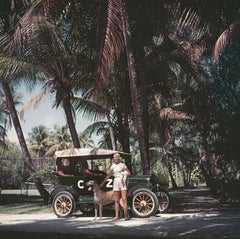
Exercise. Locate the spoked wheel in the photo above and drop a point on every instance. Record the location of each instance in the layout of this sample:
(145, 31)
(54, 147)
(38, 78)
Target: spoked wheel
(144, 203)
(164, 201)
(63, 204)
(86, 208)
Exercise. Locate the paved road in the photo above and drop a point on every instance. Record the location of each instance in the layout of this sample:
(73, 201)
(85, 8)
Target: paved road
(194, 214)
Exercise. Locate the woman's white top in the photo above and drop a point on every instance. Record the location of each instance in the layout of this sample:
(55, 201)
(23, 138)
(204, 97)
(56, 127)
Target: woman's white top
(118, 169)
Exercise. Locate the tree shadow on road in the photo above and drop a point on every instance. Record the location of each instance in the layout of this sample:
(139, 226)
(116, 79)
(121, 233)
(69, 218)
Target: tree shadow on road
(194, 213)
(198, 200)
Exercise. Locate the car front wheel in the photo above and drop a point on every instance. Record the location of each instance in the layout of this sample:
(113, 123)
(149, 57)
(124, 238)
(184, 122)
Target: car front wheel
(144, 203)
(63, 204)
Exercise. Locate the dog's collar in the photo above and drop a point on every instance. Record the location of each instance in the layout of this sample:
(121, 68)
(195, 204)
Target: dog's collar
(94, 189)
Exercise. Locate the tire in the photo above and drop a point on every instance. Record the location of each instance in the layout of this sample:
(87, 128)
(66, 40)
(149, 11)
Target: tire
(56, 191)
(86, 208)
(63, 204)
(144, 203)
(164, 201)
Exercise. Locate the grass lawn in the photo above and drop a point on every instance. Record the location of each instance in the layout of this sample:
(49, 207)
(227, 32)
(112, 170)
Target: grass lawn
(22, 204)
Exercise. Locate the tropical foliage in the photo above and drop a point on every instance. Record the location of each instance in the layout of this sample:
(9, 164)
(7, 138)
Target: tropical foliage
(143, 70)
(12, 171)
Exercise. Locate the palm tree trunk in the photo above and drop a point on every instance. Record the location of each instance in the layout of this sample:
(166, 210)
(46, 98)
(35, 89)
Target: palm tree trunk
(136, 103)
(10, 103)
(69, 116)
(205, 164)
(17, 126)
(174, 184)
(111, 132)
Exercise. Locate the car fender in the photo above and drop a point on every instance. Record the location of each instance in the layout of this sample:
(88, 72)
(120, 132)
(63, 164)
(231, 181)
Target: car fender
(136, 187)
(60, 188)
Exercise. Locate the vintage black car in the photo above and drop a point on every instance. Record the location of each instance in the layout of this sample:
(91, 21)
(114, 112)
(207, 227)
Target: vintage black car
(75, 167)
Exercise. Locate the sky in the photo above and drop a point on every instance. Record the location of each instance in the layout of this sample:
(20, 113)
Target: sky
(43, 114)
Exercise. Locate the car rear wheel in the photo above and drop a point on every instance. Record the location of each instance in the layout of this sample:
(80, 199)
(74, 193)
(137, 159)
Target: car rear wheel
(164, 201)
(63, 204)
(86, 208)
(144, 203)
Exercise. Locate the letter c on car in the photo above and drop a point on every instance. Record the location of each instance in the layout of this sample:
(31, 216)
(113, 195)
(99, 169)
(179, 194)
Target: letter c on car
(81, 184)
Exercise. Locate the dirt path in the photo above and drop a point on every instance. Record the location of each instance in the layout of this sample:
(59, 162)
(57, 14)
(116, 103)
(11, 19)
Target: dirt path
(194, 214)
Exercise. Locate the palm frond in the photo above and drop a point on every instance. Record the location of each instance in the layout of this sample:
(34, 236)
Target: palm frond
(225, 39)
(188, 20)
(34, 101)
(13, 68)
(51, 9)
(2, 132)
(168, 114)
(98, 128)
(44, 45)
(111, 40)
(89, 108)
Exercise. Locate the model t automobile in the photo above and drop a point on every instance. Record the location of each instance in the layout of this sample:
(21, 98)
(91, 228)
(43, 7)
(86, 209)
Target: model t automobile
(75, 167)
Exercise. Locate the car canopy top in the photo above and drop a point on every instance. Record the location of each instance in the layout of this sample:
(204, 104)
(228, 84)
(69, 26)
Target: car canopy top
(88, 153)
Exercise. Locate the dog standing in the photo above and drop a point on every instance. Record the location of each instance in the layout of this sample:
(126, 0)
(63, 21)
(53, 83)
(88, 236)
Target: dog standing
(101, 198)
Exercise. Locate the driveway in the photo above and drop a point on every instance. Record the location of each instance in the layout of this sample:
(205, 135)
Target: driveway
(193, 214)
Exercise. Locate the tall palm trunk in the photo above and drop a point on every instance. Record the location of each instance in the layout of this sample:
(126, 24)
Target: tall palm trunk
(111, 132)
(205, 164)
(70, 121)
(69, 116)
(136, 102)
(10, 103)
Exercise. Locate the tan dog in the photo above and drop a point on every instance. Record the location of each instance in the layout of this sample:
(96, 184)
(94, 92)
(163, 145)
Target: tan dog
(101, 198)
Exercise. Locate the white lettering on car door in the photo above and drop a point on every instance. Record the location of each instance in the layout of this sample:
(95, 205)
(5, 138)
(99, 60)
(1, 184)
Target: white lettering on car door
(109, 183)
(81, 184)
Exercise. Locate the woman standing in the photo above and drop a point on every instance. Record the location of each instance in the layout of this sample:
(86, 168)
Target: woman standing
(120, 172)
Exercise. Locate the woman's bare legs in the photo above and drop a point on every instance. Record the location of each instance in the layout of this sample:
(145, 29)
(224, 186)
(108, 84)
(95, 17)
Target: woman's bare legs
(117, 196)
(124, 199)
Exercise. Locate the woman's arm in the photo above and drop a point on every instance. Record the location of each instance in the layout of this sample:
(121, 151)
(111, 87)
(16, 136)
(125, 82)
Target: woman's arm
(106, 178)
(61, 173)
(129, 173)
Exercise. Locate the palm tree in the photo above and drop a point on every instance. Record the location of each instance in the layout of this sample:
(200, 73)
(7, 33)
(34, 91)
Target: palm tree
(117, 11)
(21, 139)
(2, 130)
(57, 53)
(111, 106)
(96, 109)
(3, 119)
(138, 108)
(85, 140)
(186, 15)
(52, 56)
(38, 140)
(13, 68)
(60, 140)
(43, 49)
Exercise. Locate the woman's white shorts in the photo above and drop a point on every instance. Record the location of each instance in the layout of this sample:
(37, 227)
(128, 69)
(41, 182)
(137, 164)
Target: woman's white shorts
(119, 184)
